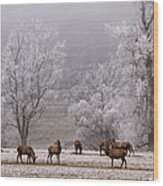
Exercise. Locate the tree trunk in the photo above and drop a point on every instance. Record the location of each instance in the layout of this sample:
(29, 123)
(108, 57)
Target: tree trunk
(151, 111)
(23, 139)
(24, 132)
(150, 103)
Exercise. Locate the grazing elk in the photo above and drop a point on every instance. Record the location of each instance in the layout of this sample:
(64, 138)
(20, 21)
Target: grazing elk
(116, 154)
(54, 149)
(26, 150)
(124, 145)
(78, 146)
(102, 146)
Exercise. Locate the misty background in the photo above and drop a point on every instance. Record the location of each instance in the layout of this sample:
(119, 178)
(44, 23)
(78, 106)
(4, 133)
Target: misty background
(81, 26)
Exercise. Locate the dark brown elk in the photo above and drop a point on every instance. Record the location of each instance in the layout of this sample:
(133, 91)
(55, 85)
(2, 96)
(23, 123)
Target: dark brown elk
(124, 145)
(78, 146)
(128, 147)
(102, 146)
(54, 149)
(116, 154)
(26, 150)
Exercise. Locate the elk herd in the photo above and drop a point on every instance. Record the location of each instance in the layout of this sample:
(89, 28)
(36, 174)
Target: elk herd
(112, 149)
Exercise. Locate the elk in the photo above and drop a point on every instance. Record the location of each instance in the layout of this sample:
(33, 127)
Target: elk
(124, 145)
(128, 147)
(116, 154)
(102, 146)
(26, 150)
(78, 146)
(54, 149)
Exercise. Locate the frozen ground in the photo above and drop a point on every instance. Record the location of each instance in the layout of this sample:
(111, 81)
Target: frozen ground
(89, 165)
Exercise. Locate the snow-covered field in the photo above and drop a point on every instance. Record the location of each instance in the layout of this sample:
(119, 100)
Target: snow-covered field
(89, 165)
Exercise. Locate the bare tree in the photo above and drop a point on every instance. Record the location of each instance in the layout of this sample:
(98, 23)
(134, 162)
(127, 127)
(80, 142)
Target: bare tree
(30, 68)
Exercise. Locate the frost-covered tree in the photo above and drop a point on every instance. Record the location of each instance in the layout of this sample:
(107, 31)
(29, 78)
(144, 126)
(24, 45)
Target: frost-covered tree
(147, 15)
(116, 99)
(99, 113)
(135, 47)
(30, 69)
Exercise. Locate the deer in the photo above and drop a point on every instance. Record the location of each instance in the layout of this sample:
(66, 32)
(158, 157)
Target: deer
(128, 147)
(78, 146)
(26, 150)
(124, 145)
(102, 145)
(116, 154)
(54, 149)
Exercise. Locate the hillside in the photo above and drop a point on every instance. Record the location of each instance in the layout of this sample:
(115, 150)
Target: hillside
(54, 124)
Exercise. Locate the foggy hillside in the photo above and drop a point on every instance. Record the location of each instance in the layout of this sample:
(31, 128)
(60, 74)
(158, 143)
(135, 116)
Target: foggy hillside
(80, 25)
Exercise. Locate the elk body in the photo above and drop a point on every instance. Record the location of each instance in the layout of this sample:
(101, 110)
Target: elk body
(54, 149)
(102, 146)
(78, 146)
(124, 145)
(116, 154)
(128, 147)
(26, 150)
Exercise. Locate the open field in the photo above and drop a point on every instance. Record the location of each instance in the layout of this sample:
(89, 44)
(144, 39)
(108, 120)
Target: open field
(89, 165)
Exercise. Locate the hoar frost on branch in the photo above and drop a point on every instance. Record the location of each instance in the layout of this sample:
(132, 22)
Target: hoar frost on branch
(31, 64)
(135, 48)
(98, 116)
(117, 97)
